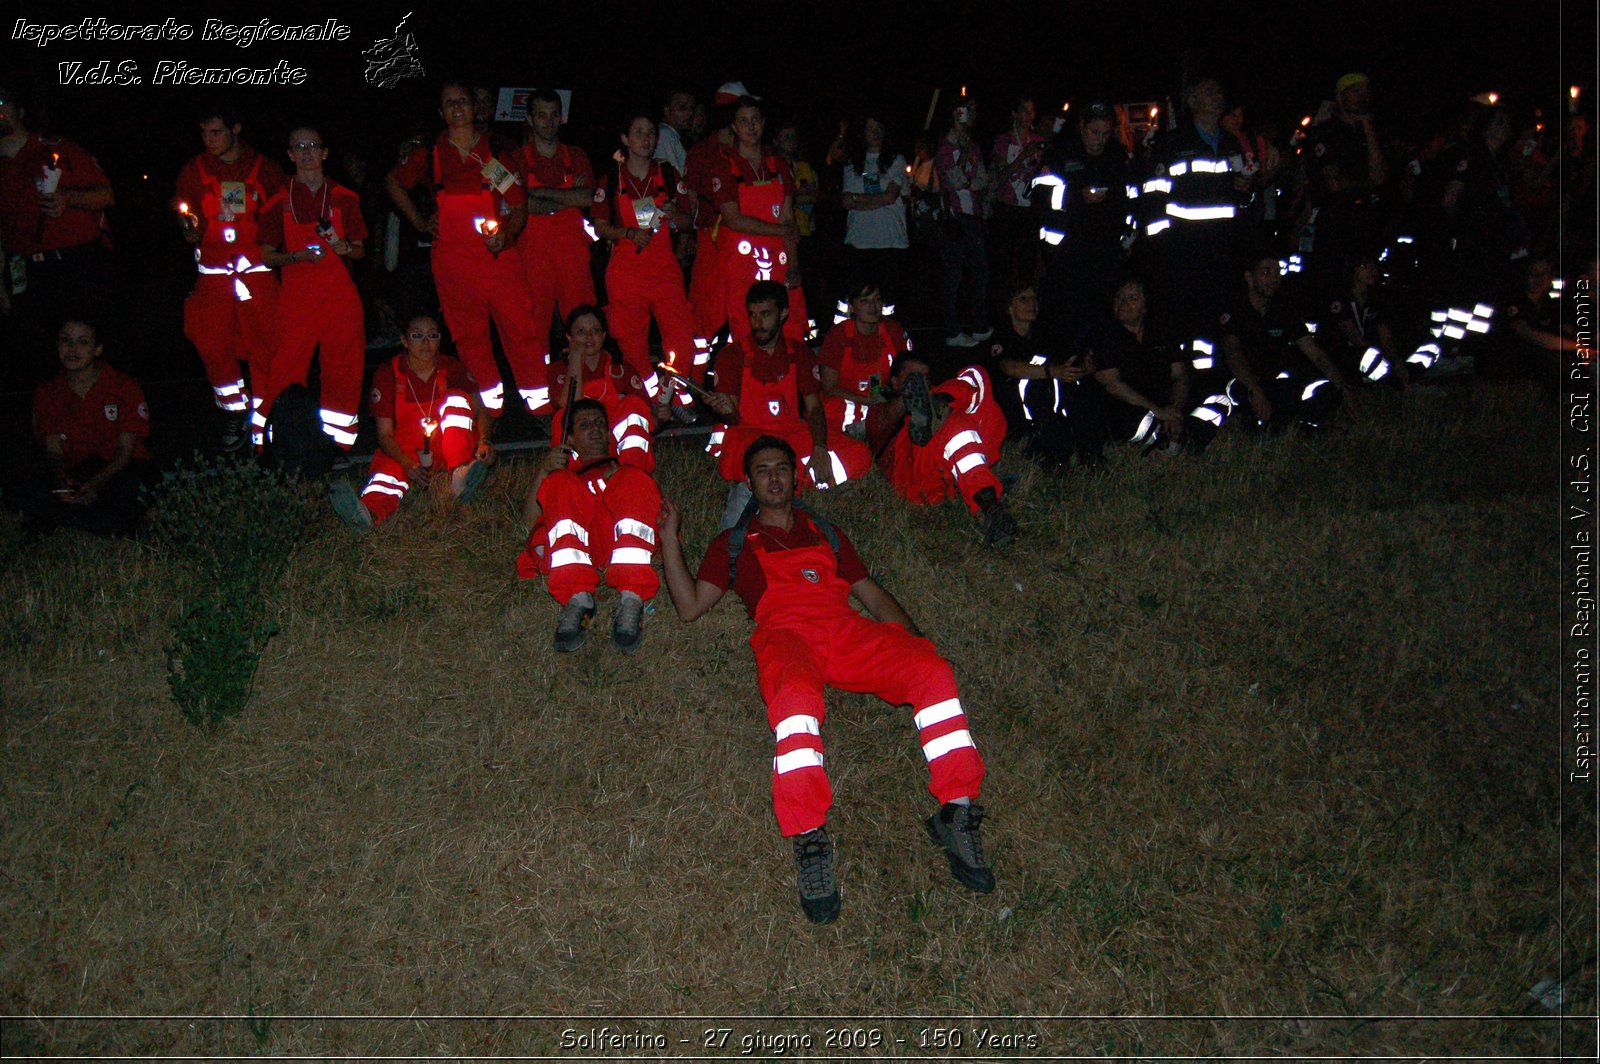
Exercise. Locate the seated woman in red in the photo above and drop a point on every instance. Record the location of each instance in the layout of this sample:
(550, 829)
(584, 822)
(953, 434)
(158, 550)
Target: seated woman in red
(591, 372)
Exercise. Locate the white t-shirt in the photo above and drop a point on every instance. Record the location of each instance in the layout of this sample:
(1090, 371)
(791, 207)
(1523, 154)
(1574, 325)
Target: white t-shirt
(877, 227)
(669, 147)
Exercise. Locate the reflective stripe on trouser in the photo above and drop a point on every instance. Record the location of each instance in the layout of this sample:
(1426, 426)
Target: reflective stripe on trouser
(955, 462)
(474, 286)
(228, 331)
(325, 315)
(848, 458)
(854, 653)
(584, 528)
(454, 444)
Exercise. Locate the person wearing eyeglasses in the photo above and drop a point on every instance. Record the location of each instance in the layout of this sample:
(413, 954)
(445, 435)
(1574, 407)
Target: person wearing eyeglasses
(231, 316)
(432, 430)
(310, 230)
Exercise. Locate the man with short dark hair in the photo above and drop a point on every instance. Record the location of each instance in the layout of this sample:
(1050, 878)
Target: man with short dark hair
(231, 315)
(554, 246)
(767, 386)
(676, 114)
(796, 575)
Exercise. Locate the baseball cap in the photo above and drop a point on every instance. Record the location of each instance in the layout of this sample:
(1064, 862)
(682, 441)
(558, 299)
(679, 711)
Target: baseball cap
(733, 90)
(1349, 81)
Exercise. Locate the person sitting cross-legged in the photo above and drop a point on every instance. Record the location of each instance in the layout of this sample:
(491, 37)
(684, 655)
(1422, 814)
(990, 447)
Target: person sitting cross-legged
(587, 511)
(796, 574)
(432, 430)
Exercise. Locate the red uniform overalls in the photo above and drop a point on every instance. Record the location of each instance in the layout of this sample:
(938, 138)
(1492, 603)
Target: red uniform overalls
(230, 315)
(705, 276)
(629, 415)
(772, 408)
(589, 521)
(960, 457)
(474, 284)
(747, 259)
(319, 306)
(807, 635)
(433, 425)
(642, 283)
(857, 376)
(554, 252)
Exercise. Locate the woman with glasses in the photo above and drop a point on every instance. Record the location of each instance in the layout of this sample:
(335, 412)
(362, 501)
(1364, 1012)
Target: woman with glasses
(432, 430)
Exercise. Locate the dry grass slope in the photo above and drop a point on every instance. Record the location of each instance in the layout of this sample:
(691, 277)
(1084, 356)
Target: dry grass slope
(1270, 733)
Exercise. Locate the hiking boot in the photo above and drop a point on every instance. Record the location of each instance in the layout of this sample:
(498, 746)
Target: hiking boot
(348, 505)
(627, 627)
(955, 827)
(683, 413)
(466, 480)
(819, 891)
(999, 527)
(919, 409)
(235, 430)
(573, 623)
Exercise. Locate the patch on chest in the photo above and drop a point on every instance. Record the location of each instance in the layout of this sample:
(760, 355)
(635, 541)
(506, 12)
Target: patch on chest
(811, 575)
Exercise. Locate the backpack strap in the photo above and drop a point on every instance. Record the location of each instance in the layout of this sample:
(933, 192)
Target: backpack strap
(741, 528)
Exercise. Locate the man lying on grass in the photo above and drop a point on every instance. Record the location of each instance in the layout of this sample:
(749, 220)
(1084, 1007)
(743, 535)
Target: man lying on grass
(796, 574)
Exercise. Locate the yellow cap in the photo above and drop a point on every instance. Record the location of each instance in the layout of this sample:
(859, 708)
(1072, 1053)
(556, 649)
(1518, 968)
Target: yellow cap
(1349, 80)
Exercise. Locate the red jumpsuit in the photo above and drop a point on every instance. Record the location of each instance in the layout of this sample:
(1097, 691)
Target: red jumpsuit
(474, 284)
(861, 361)
(318, 307)
(649, 282)
(705, 277)
(960, 457)
(759, 191)
(433, 424)
(231, 314)
(618, 388)
(807, 636)
(554, 248)
(770, 387)
(585, 516)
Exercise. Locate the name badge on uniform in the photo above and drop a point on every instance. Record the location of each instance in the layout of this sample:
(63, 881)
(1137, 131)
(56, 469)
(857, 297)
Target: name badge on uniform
(646, 213)
(233, 198)
(496, 174)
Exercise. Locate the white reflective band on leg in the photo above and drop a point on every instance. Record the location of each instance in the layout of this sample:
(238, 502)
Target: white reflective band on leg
(493, 398)
(337, 417)
(1203, 346)
(627, 526)
(934, 749)
(1147, 425)
(1210, 166)
(702, 357)
(1455, 332)
(1207, 414)
(799, 724)
(888, 312)
(386, 478)
(1283, 375)
(257, 420)
(343, 437)
(714, 443)
(938, 712)
(1369, 358)
(1022, 393)
(383, 489)
(1457, 314)
(632, 421)
(633, 443)
(456, 402)
(1037, 360)
(1051, 236)
(568, 527)
(1311, 389)
(1478, 326)
(1199, 214)
(960, 440)
(839, 474)
(532, 397)
(1157, 184)
(1178, 169)
(797, 759)
(974, 378)
(455, 421)
(969, 462)
(842, 307)
(1203, 362)
(570, 556)
(1131, 190)
(652, 386)
(1426, 355)
(1380, 371)
(630, 556)
(1483, 310)
(1157, 226)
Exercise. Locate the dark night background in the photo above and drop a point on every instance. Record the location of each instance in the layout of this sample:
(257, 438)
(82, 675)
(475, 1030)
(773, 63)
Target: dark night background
(813, 61)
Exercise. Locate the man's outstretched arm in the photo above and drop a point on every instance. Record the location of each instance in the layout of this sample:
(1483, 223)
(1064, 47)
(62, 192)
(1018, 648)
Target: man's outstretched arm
(882, 605)
(692, 598)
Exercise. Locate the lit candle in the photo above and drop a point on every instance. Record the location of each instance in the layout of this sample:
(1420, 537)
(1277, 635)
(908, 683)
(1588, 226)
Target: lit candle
(1494, 98)
(1061, 119)
(1572, 99)
(51, 178)
(189, 220)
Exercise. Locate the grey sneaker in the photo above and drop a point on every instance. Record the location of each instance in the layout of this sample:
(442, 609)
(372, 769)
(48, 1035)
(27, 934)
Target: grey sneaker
(819, 891)
(627, 627)
(348, 505)
(955, 828)
(919, 409)
(466, 480)
(572, 625)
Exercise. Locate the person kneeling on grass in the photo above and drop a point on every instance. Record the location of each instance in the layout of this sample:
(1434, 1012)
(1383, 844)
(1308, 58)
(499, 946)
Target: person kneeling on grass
(585, 504)
(935, 443)
(796, 574)
(432, 430)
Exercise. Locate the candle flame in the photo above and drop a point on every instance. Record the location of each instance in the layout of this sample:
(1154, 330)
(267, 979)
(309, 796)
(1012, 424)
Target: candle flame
(183, 208)
(1306, 121)
(1573, 92)
(1494, 98)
